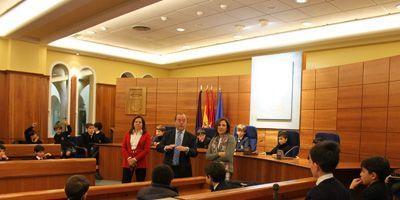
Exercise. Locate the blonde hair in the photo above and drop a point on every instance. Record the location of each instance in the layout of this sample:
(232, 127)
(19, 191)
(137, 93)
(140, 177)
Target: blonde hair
(241, 126)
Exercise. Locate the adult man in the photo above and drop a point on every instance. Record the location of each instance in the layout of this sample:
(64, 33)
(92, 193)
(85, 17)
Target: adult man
(178, 146)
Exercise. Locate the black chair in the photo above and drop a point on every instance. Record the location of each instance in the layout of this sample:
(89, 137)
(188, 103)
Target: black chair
(325, 136)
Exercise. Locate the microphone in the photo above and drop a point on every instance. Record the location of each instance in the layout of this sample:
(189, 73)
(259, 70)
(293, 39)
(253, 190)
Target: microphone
(275, 187)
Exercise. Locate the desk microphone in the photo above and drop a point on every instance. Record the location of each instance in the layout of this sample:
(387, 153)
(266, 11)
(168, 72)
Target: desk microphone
(275, 187)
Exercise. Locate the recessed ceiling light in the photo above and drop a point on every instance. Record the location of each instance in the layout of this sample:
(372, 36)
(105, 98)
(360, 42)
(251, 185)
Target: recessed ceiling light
(307, 24)
(77, 53)
(199, 13)
(164, 18)
(223, 6)
(247, 27)
(180, 29)
(301, 1)
(263, 22)
(90, 32)
(398, 6)
(103, 28)
(239, 27)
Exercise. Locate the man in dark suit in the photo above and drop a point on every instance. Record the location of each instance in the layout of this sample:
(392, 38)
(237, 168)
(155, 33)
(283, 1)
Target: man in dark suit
(324, 157)
(178, 146)
(215, 177)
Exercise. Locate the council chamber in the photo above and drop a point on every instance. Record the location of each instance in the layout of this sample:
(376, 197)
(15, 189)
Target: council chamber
(199, 99)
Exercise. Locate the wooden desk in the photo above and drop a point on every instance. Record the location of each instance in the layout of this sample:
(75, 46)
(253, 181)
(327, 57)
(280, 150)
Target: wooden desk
(259, 168)
(32, 175)
(287, 190)
(21, 151)
(186, 186)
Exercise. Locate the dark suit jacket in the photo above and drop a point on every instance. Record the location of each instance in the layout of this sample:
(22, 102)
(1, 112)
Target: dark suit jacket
(224, 186)
(376, 191)
(242, 144)
(329, 189)
(188, 140)
(156, 191)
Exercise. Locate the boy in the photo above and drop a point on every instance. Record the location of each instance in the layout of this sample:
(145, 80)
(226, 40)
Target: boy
(373, 173)
(34, 138)
(99, 136)
(215, 177)
(3, 155)
(242, 141)
(39, 153)
(323, 159)
(202, 140)
(89, 139)
(282, 144)
(29, 131)
(76, 187)
(160, 130)
(63, 138)
(161, 178)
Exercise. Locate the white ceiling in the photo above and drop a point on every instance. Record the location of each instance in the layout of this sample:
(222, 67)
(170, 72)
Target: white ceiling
(218, 25)
(6, 5)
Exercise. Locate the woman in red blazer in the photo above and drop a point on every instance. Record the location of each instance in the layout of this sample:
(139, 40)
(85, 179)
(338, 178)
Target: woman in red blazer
(135, 148)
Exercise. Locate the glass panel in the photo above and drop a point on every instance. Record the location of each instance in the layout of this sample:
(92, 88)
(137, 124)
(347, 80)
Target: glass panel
(85, 99)
(59, 92)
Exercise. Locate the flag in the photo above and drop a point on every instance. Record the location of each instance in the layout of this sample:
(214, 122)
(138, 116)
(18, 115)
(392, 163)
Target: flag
(199, 116)
(206, 110)
(219, 113)
(211, 109)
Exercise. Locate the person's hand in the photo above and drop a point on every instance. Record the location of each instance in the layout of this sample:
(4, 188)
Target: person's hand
(132, 162)
(221, 154)
(34, 124)
(355, 183)
(181, 148)
(263, 153)
(47, 155)
(170, 147)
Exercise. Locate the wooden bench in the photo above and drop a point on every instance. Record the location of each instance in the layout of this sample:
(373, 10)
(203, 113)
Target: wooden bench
(25, 151)
(294, 189)
(32, 175)
(186, 186)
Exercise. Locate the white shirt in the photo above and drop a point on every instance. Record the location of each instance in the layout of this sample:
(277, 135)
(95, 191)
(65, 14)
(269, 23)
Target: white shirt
(135, 137)
(324, 177)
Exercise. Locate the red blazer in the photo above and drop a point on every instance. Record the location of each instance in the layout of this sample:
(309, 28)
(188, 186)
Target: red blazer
(141, 152)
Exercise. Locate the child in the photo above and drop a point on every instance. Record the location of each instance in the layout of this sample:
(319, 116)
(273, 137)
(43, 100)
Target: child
(373, 173)
(215, 177)
(99, 136)
(160, 130)
(31, 136)
(242, 141)
(39, 153)
(323, 159)
(3, 155)
(89, 140)
(202, 139)
(63, 138)
(282, 144)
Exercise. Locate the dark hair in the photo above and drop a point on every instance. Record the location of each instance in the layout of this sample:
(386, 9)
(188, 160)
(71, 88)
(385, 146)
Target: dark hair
(2, 147)
(326, 155)
(98, 125)
(162, 174)
(216, 171)
(377, 164)
(161, 128)
(76, 187)
(133, 124)
(201, 132)
(282, 134)
(38, 148)
(88, 125)
(228, 125)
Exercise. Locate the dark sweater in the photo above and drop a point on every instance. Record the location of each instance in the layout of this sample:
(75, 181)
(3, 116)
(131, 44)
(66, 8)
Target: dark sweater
(329, 189)
(156, 191)
(375, 191)
(64, 138)
(284, 147)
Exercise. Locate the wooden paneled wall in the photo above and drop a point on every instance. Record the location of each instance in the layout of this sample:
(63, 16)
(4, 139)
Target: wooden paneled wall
(360, 101)
(24, 99)
(168, 96)
(105, 106)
